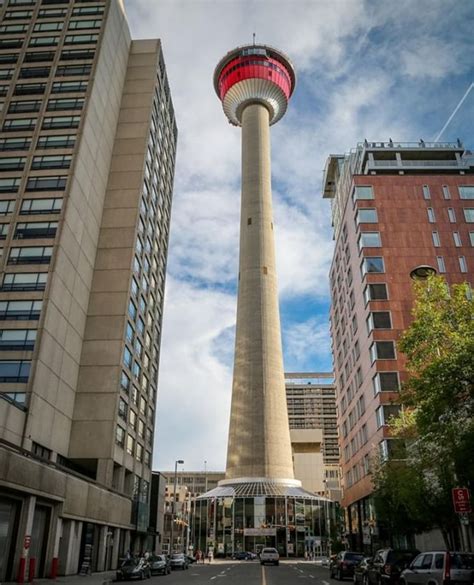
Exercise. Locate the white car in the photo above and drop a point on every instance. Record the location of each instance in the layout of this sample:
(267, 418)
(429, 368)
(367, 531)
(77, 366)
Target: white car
(269, 555)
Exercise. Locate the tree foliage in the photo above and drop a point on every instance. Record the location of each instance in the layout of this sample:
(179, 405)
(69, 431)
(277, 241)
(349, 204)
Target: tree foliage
(436, 422)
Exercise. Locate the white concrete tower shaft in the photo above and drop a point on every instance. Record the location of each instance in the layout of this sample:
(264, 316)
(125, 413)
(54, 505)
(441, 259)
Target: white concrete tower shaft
(259, 437)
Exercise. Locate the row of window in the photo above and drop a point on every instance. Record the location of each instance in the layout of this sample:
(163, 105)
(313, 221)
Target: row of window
(468, 214)
(42, 162)
(40, 56)
(42, 72)
(17, 339)
(31, 230)
(24, 281)
(366, 192)
(49, 123)
(12, 184)
(44, 142)
(52, 41)
(9, 29)
(20, 310)
(53, 12)
(32, 206)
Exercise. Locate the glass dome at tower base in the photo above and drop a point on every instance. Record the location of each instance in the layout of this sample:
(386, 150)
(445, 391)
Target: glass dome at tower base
(246, 515)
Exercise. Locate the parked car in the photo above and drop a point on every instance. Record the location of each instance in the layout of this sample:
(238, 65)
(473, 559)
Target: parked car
(343, 564)
(269, 555)
(134, 569)
(159, 565)
(243, 556)
(360, 571)
(179, 561)
(440, 568)
(387, 565)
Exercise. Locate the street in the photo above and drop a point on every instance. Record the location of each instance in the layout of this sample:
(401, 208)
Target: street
(248, 573)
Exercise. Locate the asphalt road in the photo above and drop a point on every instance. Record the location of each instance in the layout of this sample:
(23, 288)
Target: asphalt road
(248, 573)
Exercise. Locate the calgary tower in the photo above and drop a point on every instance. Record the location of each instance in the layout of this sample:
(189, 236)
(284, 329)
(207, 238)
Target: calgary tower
(254, 84)
(259, 495)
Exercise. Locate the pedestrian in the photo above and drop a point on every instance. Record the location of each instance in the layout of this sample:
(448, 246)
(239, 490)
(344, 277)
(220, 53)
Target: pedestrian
(305, 555)
(210, 555)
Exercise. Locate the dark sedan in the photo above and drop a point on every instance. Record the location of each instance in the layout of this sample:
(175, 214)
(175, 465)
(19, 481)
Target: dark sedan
(134, 569)
(159, 565)
(343, 565)
(360, 571)
(388, 564)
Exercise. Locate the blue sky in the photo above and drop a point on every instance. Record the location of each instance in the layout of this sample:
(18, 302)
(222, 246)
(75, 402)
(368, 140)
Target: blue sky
(365, 69)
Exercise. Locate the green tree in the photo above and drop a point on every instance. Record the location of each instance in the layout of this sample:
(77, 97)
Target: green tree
(436, 423)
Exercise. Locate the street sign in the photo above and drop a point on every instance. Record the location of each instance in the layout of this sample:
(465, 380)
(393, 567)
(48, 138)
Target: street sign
(462, 504)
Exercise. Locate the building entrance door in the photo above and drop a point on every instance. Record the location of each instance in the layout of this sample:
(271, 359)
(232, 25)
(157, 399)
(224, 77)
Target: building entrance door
(39, 539)
(8, 528)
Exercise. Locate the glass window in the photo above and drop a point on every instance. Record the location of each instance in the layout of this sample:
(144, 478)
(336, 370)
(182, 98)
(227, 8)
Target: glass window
(120, 436)
(7, 207)
(142, 406)
(386, 382)
(466, 192)
(471, 238)
(17, 14)
(139, 452)
(136, 370)
(83, 24)
(48, 26)
(9, 185)
(61, 122)
(77, 54)
(20, 310)
(38, 56)
(441, 264)
(372, 264)
(376, 292)
(43, 41)
(452, 215)
(10, 29)
(426, 192)
(133, 419)
(65, 104)
(57, 183)
(62, 161)
(15, 144)
(27, 72)
(68, 87)
(141, 429)
(457, 239)
(24, 106)
(66, 141)
(436, 240)
(382, 350)
(469, 215)
(127, 357)
(130, 444)
(132, 310)
(30, 255)
(370, 240)
(122, 409)
(14, 372)
(462, 264)
(129, 333)
(80, 39)
(36, 206)
(363, 192)
(36, 229)
(52, 12)
(86, 10)
(11, 43)
(6, 73)
(30, 89)
(446, 193)
(16, 163)
(124, 382)
(24, 281)
(431, 215)
(367, 215)
(379, 320)
(17, 339)
(16, 124)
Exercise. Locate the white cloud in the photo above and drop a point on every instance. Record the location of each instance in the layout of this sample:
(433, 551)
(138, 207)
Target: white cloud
(306, 342)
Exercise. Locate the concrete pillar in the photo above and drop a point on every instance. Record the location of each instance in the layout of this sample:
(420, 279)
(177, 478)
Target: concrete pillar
(24, 533)
(127, 544)
(105, 471)
(101, 548)
(115, 548)
(53, 572)
(259, 436)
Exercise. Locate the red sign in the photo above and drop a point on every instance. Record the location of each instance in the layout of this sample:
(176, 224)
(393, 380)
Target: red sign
(27, 542)
(461, 500)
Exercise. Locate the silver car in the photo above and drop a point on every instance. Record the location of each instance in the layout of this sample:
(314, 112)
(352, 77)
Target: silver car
(440, 568)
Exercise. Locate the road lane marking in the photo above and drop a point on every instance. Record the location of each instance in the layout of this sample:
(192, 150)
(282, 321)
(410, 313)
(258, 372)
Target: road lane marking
(264, 580)
(324, 582)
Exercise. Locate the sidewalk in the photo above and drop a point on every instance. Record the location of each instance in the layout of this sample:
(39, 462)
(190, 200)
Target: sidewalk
(94, 579)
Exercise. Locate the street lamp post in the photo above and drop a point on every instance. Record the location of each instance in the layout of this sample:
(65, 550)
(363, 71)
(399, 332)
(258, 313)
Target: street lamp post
(173, 503)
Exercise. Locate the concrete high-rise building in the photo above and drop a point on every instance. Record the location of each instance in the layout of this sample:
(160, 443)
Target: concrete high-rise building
(259, 500)
(395, 206)
(311, 400)
(87, 142)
